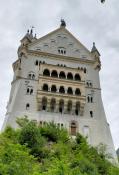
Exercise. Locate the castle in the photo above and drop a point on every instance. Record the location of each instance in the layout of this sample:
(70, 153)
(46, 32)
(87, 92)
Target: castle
(56, 78)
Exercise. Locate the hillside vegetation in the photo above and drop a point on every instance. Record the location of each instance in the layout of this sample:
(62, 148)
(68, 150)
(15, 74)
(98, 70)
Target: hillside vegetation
(48, 150)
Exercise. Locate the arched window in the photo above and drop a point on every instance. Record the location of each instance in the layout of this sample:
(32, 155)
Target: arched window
(91, 113)
(61, 106)
(27, 106)
(77, 110)
(62, 75)
(31, 75)
(36, 62)
(85, 70)
(31, 91)
(69, 76)
(53, 104)
(91, 99)
(88, 99)
(62, 50)
(61, 89)
(53, 88)
(69, 91)
(78, 92)
(69, 106)
(44, 103)
(77, 77)
(73, 128)
(45, 87)
(54, 73)
(46, 72)
(27, 91)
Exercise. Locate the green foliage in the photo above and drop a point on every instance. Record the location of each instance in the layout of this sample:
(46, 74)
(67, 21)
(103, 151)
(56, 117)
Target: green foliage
(48, 150)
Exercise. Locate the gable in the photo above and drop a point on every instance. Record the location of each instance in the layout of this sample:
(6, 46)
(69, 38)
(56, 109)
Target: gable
(61, 42)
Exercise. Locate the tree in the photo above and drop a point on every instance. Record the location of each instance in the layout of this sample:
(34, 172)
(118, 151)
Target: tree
(36, 150)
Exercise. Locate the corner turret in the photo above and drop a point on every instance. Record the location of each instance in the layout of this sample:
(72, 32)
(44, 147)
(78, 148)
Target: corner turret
(96, 55)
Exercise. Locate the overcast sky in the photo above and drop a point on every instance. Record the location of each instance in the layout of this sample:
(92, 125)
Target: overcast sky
(88, 20)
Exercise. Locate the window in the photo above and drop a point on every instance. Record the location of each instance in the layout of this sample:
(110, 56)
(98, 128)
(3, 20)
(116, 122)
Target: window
(90, 99)
(44, 103)
(61, 106)
(77, 92)
(29, 90)
(61, 125)
(62, 75)
(36, 63)
(89, 83)
(53, 88)
(27, 106)
(91, 113)
(69, 91)
(54, 73)
(77, 109)
(62, 90)
(86, 132)
(45, 87)
(73, 128)
(46, 72)
(69, 107)
(85, 70)
(31, 75)
(62, 50)
(77, 77)
(53, 104)
(69, 76)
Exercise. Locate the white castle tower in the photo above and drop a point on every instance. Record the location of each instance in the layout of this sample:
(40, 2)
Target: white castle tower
(56, 78)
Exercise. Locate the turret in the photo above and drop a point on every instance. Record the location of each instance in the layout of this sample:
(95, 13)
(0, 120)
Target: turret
(27, 39)
(96, 55)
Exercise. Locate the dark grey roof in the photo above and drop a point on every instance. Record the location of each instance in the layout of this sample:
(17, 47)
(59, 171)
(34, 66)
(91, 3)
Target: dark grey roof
(94, 49)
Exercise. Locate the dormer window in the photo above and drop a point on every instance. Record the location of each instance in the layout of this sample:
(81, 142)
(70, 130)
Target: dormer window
(62, 50)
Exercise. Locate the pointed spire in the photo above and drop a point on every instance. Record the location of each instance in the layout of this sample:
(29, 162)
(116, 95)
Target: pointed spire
(94, 49)
(63, 23)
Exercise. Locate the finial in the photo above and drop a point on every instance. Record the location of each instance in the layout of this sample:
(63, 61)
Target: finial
(28, 31)
(31, 32)
(93, 44)
(63, 23)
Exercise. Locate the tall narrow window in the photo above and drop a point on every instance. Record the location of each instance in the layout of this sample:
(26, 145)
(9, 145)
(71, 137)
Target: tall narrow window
(31, 91)
(27, 106)
(44, 103)
(36, 63)
(77, 110)
(69, 107)
(73, 128)
(91, 113)
(53, 104)
(61, 106)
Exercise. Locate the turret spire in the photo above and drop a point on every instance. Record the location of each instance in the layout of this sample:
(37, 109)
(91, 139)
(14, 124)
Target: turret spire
(63, 23)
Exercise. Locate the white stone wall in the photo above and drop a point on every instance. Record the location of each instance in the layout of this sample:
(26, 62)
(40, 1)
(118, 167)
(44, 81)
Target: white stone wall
(97, 127)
